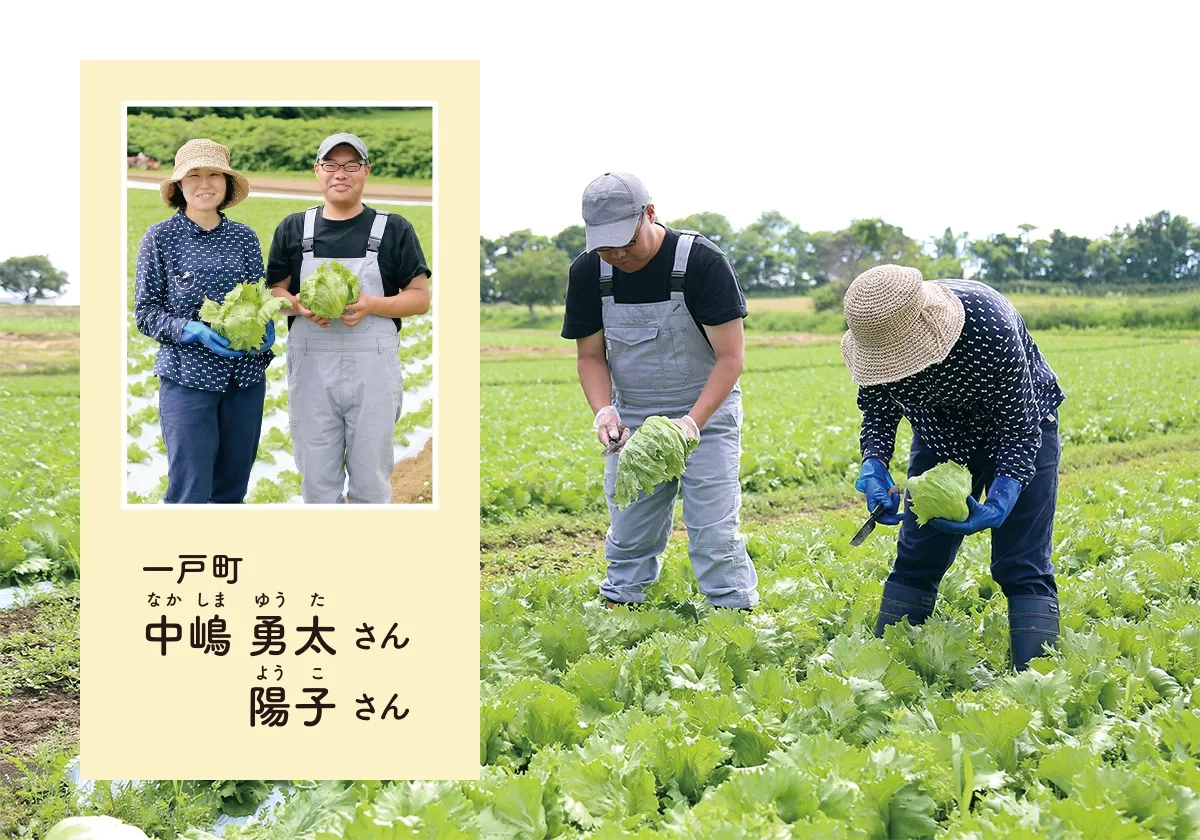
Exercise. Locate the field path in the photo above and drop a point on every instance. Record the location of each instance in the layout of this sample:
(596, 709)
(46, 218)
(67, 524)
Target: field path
(394, 192)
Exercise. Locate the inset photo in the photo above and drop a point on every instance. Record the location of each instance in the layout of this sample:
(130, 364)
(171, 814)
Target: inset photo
(280, 322)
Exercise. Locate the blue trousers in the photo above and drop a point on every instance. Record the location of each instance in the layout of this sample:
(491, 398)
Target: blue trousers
(1021, 547)
(212, 440)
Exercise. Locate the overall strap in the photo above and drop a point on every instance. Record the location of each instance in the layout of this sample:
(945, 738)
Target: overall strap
(377, 228)
(606, 281)
(683, 249)
(310, 227)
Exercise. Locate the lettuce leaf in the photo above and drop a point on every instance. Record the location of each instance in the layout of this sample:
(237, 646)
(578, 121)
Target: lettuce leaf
(242, 317)
(657, 452)
(940, 493)
(328, 289)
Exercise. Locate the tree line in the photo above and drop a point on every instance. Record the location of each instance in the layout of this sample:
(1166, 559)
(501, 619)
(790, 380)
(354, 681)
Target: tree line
(773, 256)
(264, 143)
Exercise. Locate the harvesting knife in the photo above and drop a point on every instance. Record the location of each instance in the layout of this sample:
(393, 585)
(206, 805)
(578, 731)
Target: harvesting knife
(615, 446)
(865, 531)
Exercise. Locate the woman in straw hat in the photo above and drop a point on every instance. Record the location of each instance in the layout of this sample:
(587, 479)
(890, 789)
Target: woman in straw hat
(210, 397)
(954, 357)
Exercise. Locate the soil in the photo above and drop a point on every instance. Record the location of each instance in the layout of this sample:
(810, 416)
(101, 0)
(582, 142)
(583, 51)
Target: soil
(28, 719)
(398, 192)
(36, 352)
(412, 480)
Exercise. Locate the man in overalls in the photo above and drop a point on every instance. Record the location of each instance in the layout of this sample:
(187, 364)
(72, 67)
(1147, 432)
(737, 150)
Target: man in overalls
(345, 389)
(657, 318)
(955, 358)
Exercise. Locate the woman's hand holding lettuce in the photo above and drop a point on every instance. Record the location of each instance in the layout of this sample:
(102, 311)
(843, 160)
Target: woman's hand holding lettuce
(243, 316)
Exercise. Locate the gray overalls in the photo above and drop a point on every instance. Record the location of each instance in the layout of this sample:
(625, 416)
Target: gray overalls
(345, 389)
(659, 361)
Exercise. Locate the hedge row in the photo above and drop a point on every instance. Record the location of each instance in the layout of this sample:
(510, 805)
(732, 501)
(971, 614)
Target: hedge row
(263, 143)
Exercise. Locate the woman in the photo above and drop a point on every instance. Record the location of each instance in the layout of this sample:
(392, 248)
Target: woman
(210, 401)
(955, 359)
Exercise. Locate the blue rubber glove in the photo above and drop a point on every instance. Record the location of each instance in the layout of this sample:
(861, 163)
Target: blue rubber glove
(1001, 497)
(875, 482)
(197, 332)
(268, 341)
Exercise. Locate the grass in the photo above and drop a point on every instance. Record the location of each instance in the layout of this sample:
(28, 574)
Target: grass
(46, 655)
(306, 175)
(794, 314)
(38, 323)
(42, 384)
(261, 213)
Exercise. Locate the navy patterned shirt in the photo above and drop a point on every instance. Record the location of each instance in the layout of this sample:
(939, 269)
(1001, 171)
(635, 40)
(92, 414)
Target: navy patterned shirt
(990, 395)
(180, 264)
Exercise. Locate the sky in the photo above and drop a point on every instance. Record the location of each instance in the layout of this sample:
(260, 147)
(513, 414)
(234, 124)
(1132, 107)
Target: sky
(978, 117)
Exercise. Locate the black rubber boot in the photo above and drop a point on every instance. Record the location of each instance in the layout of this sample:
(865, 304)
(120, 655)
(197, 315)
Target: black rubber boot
(900, 601)
(1032, 622)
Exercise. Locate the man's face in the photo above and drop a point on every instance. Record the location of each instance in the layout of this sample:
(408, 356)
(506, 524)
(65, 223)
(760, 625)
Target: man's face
(341, 186)
(634, 255)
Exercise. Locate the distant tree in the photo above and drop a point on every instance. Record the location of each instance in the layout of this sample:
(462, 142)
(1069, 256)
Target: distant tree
(571, 241)
(714, 226)
(764, 254)
(1070, 259)
(33, 277)
(533, 276)
(487, 271)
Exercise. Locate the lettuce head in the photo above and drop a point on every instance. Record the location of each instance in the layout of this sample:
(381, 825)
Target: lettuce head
(655, 453)
(940, 493)
(328, 289)
(242, 317)
(94, 828)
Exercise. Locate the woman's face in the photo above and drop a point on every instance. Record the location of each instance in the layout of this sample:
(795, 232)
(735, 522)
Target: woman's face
(203, 189)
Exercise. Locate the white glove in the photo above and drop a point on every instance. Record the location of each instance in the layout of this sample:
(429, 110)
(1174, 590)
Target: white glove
(608, 426)
(689, 426)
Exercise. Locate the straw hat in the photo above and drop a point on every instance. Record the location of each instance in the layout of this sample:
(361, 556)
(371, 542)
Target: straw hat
(899, 324)
(204, 154)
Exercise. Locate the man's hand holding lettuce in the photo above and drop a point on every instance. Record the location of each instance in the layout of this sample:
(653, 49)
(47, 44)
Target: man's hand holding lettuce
(327, 290)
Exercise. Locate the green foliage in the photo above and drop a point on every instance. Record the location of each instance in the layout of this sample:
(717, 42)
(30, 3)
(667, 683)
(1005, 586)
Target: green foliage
(941, 493)
(243, 314)
(656, 452)
(533, 276)
(329, 289)
(32, 277)
(256, 143)
(773, 256)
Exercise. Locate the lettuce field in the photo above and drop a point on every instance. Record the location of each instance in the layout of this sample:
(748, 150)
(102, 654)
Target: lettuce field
(675, 720)
(274, 479)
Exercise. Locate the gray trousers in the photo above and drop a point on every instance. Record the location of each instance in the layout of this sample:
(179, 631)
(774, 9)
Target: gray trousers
(712, 500)
(344, 397)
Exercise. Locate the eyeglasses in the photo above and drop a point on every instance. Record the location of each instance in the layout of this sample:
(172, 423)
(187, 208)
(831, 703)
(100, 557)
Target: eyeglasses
(349, 166)
(628, 244)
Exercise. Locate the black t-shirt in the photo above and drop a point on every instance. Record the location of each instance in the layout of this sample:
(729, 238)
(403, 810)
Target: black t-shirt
(400, 255)
(710, 288)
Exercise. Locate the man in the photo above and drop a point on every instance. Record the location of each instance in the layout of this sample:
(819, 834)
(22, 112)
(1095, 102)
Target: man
(344, 385)
(657, 318)
(954, 358)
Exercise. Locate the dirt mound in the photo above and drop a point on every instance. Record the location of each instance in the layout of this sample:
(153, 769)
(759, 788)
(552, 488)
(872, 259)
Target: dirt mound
(412, 480)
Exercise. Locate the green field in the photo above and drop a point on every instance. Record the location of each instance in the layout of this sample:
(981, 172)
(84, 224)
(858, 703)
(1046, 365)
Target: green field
(1041, 312)
(800, 430)
(676, 720)
(261, 213)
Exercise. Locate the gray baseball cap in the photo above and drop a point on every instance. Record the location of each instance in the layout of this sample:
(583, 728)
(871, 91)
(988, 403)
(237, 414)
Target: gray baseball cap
(338, 139)
(612, 205)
